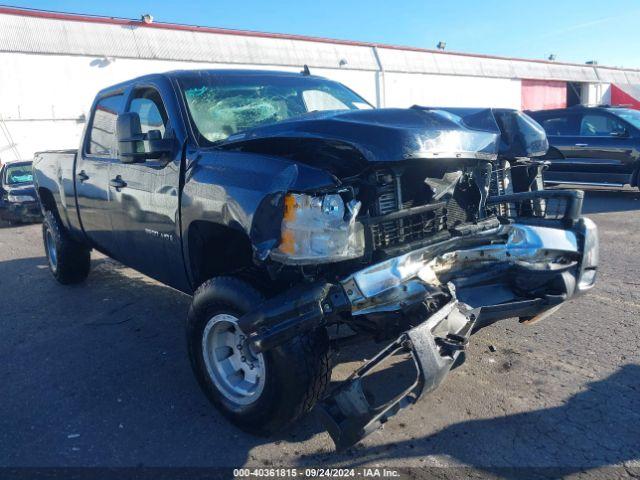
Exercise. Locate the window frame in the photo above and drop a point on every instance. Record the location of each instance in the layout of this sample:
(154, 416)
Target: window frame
(144, 86)
(564, 115)
(608, 115)
(87, 137)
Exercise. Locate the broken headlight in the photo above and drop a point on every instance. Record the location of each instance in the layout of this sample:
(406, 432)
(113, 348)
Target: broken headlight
(319, 229)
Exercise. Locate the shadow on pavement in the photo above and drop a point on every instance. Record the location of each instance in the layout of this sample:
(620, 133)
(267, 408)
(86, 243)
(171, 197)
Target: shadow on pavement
(595, 428)
(99, 376)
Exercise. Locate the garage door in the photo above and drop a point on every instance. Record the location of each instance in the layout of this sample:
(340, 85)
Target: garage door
(543, 94)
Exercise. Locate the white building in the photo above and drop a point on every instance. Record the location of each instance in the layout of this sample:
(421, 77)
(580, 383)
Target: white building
(53, 64)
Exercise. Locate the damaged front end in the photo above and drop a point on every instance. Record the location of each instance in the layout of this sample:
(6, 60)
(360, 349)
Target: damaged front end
(423, 253)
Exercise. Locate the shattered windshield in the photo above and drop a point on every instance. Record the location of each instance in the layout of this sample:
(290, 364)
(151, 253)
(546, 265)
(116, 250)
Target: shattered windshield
(222, 105)
(18, 173)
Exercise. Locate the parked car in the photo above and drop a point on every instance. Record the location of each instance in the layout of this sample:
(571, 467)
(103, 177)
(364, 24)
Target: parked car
(592, 145)
(301, 220)
(18, 200)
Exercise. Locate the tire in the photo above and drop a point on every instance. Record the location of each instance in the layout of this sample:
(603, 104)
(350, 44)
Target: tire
(295, 374)
(69, 261)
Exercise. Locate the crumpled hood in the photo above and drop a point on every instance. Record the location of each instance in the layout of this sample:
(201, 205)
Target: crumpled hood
(391, 134)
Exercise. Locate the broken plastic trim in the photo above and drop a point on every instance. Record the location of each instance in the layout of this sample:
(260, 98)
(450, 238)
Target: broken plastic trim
(434, 345)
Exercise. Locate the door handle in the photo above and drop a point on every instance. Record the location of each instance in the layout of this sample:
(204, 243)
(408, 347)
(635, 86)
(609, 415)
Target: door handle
(117, 183)
(82, 176)
(582, 144)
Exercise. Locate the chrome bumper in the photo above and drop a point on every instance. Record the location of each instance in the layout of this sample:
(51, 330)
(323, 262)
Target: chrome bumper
(386, 285)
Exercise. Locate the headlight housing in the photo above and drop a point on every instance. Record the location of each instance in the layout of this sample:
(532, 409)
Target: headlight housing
(20, 198)
(319, 229)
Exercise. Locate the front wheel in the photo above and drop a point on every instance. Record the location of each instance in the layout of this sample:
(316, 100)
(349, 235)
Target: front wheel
(69, 261)
(261, 393)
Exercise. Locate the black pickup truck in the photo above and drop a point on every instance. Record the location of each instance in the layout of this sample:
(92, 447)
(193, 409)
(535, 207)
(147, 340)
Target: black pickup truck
(303, 220)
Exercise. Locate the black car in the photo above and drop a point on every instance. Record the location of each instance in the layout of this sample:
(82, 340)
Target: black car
(18, 200)
(592, 145)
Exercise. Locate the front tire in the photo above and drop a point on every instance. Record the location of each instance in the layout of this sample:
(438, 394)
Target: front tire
(69, 261)
(261, 393)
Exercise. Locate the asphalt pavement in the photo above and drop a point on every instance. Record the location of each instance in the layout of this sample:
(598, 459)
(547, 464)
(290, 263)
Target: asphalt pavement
(98, 375)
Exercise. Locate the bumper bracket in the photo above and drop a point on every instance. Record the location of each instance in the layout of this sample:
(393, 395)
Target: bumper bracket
(434, 346)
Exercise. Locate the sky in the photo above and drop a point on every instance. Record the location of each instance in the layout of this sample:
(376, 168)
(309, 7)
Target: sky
(574, 30)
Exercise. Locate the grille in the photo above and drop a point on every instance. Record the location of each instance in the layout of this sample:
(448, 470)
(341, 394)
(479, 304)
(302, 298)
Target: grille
(410, 228)
(415, 222)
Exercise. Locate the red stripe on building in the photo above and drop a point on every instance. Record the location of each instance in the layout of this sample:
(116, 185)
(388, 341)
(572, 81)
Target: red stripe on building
(622, 98)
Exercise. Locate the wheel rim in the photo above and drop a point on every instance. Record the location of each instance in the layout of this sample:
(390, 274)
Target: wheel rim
(237, 372)
(52, 254)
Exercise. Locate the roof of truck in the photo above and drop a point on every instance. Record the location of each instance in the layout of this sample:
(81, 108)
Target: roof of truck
(211, 71)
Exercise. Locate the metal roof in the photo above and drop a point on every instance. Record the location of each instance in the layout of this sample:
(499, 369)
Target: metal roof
(34, 31)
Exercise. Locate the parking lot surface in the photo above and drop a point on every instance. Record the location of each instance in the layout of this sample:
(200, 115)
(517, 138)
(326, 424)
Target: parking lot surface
(98, 375)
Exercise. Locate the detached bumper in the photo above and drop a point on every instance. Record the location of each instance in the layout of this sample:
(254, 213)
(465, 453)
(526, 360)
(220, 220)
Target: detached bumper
(435, 347)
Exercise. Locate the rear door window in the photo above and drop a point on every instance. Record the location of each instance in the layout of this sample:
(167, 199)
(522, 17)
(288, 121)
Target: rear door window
(560, 125)
(102, 137)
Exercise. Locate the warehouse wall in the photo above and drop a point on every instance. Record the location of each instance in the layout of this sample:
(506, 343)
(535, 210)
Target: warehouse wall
(52, 65)
(406, 89)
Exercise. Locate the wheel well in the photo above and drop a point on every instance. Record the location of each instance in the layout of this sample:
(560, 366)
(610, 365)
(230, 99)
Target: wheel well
(47, 202)
(553, 153)
(216, 250)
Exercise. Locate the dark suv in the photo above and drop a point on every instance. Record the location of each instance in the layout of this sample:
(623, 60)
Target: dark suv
(592, 145)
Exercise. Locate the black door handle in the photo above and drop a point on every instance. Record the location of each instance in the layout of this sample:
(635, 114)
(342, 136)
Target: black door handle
(117, 183)
(82, 176)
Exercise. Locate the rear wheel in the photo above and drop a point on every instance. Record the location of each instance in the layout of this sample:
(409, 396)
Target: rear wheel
(260, 393)
(69, 261)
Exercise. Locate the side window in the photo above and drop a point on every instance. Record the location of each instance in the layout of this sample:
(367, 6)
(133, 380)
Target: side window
(598, 125)
(102, 137)
(561, 125)
(153, 116)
